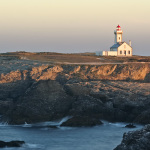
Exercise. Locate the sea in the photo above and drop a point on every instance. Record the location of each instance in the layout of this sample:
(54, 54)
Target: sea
(42, 137)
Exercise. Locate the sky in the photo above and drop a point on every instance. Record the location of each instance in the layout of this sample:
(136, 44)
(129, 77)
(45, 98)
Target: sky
(72, 26)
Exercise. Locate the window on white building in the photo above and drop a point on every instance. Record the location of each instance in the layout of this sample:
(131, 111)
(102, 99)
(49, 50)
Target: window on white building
(128, 52)
(125, 52)
(120, 52)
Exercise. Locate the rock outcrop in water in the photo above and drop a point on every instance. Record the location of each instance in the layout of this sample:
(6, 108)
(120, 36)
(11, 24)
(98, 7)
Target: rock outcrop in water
(115, 92)
(136, 140)
(79, 121)
(11, 144)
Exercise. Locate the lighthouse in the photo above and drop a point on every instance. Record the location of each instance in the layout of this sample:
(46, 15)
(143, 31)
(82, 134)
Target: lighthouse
(118, 34)
(119, 48)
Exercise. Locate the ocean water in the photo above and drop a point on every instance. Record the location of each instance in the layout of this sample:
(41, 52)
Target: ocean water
(41, 137)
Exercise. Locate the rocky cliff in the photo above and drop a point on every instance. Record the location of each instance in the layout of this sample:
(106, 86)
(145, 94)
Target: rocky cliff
(42, 92)
(136, 140)
(125, 72)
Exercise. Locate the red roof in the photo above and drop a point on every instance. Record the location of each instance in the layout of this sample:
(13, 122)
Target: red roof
(118, 26)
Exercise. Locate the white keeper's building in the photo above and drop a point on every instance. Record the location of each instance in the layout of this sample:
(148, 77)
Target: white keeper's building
(119, 48)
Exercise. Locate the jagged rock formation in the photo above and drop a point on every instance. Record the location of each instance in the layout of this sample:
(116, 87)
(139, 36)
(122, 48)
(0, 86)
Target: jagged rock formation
(136, 140)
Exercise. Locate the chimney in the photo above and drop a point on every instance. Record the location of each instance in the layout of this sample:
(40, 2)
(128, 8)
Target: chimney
(130, 42)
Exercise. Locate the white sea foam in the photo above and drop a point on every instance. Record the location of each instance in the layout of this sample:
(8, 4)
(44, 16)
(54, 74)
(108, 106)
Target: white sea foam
(66, 128)
(33, 146)
(118, 124)
(122, 125)
(54, 123)
(26, 125)
(4, 124)
(47, 123)
(64, 119)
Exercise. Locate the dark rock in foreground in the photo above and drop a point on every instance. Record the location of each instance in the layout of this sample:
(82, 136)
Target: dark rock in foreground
(45, 100)
(136, 140)
(11, 144)
(80, 121)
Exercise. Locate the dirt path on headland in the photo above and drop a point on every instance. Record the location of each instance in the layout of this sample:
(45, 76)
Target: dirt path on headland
(101, 63)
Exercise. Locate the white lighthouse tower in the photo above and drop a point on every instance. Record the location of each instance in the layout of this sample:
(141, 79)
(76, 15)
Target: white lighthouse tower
(118, 34)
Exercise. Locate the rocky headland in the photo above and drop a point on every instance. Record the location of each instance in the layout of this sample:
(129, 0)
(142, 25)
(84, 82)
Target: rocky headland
(35, 91)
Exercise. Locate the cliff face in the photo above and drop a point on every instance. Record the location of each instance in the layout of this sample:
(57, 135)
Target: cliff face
(132, 72)
(47, 92)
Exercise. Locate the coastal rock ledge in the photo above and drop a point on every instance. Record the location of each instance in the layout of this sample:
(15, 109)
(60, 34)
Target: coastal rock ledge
(136, 140)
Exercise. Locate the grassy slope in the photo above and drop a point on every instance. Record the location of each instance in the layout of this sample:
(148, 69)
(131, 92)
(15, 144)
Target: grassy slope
(73, 58)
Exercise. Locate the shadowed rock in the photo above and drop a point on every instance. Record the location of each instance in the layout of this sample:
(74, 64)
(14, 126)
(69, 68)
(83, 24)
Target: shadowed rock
(11, 144)
(136, 140)
(130, 126)
(80, 121)
(44, 101)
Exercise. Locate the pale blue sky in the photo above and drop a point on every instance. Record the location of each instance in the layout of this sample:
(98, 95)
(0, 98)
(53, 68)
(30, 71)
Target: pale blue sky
(73, 25)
